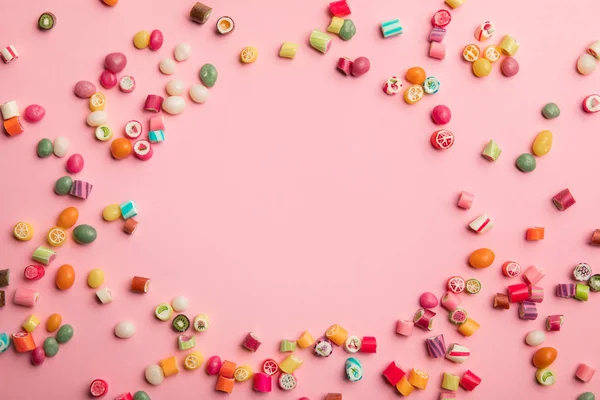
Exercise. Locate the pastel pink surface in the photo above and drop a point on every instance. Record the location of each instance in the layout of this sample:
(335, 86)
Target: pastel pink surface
(296, 197)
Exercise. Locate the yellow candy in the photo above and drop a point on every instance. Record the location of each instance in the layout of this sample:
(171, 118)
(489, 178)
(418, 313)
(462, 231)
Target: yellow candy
(413, 94)
(31, 323)
(23, 231)
(97, 102)
(542, 143)
(249, 54)
(243, 373)
(111, 212)
(290, 364)
(336, 25)
(454, 3)
(288, 50)
(193, 360)
(53, 322)
(141, 39)
(95, 278)
(509, 45)
(482, 67)
(305, 340)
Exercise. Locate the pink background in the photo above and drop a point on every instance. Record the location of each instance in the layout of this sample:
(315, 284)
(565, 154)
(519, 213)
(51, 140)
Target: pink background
(296, 198)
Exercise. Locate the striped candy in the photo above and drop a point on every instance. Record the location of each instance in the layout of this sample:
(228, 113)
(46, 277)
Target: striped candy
(437, 34)
(436, 346)
(565, 290)
(128, 209)
(156, 136)
(528, 310)
(391, 28)
(9, 53)
(457, 353)
(81, 189)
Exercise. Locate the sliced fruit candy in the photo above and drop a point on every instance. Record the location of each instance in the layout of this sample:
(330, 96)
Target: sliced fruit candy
(456, 284)
(442, 139)
(34, 272)
(511, 269)
(98, 388)
(471, 52)
(23, 231)
(270, 366)
(458, 316)
(473, 286)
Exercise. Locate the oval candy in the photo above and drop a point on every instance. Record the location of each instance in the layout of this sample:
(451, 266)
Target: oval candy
(111, 212)
(53, 322)
(38, 356)
(34, 113)
(65, 277)
(141, 40)
(95, 278)
(64, 334)
(526, 162)
(84, 89)
(63, 185)
(551, 111)
(141, 395)
(182, 51)
(97, 118)
(50, 347)
(542, 143)
(481, 258)
(208, 75)
(156, 40)
(535, 338)
(84, 234)
(586, 396)
(45, 148)
(154, 375)
(544, 357)
(199, 93)
(61, 146)
(124, 329)
(173, 105)
(75, 163)
(68, 217)
(115, 62)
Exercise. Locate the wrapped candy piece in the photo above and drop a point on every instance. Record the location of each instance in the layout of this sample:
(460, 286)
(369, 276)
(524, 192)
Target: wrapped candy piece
(585, 373)
(337, 334)
(404, 387)
(424, 319)
(404, 327)
(469, 381)
(501, 301)
(469, 327)
(554, 322)
(450, 301)
(465, 200)
(481, 224)
(563, 200)
(418, 378)
(536, 294)
(437, 34)
(565, 290)
(450, 382)
(339, 8)
(582, 292)
(251, 342)
(528, 310)
(436, 346)
(582, 272)
(369, 344)
(393, 373)
(533, 275)
(458, 353)
(518, 293)
(320, 41)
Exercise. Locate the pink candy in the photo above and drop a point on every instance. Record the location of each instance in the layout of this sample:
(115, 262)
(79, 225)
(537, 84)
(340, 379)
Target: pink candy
(533, 275)
(153, 103)
(108, 79)
(441, 115)
(115, 62)
(404, 327)
(38, 356)
(251, 342)
(84, 89)
(509, 67)
(465, 200)
(585, 373)
(437, 50)
(34, 113)
(428, 300)
(450, 301)
(213, 365)
(156, 40)
(262, 382)
(360, 66)
(344, 65)
(75, 163)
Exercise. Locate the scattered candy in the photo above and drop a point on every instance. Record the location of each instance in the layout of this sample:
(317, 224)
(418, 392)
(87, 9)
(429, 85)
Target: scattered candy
(442, 139)
(208, 75)
(509, 66)
(200, 13)
(115, 62)
(492, 151)
(141, 39)
(288, 50)
(104, 295)
(84, 89)
(544, 357)
(469, 381)
(320, 41)
(167, 66)
(437, 34)
(354, 370)
(441, 18)
(154, 375)
(585, 373)
(391, 28)
(526, 162)
(46, 21)
(437, 50)
(586, 64)
(34, 113)
(485, 31)
(182, 51)
(360, 66)
(339, 8)
(535, 233)
(436, 346)
(404, 327)
(124, 329)
(428, 300)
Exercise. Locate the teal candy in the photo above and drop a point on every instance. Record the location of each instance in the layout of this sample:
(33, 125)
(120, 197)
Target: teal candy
(586, 396)
(45, 148)
(354, 369)
(551, 111)
(63, 185)
(4, 342)
(141, 395)
(526, 162)
(84, 234)
(50, 347)
(64, 334)
(348, 30)
(208, 75)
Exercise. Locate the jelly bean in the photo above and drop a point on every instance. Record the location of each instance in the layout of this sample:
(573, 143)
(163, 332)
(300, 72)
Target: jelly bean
(154, 375)
(199, 93)
(96, 118)
(108, 79)
(125, 329)
(182, 51)
(50, 347)
(213, 365)
(481, 258)
(535, 338)
(208, 75)
(156, 40)
(416, 75)
(84, 89)
(348, 30)
(428, 300)
(167, 66)
(542, 143)
(64, 334)
(141, 395)
(360, 66)
(34, 113)
(173, 105)
(95, 278)
(111, 212)
(38, 356)
(68, 217)
(121, 148)
(141, 40)
(482, 67)
(84, 234)
(544, 357)
(65, 277)
(61, 146)
(551, 111)
(180, 303)
(75, 163)
(63, 185)
(44, 148)
(115, 62)
(53, 322)
(441, 115)
(509, 66)
(175, 87)
(586, 64)
(586, 396)
(110, 3)
(526, 162)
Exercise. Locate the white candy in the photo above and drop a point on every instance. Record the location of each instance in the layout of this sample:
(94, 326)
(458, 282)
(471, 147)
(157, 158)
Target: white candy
(199, 93)
(61, 146)
(182, 51)
(175, 87)
(586, 64)
(167, 66)
(104, 295)
(97, 118)
(124, 329)
(535, 338)
(154, 375)
(180, 303)
(594, 49)
(173, 105)
(9, 110)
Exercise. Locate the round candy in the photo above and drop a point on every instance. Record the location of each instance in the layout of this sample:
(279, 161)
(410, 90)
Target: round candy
(458, 316)
(5, 342)
(103, 133)
(225, 25)
(287, 381)
(586, 396)
(441, 115)
(248, 55)
(141, 395)
(348, 30)
(46, 21)
(591, 104)
(442, 139)
(182, 51)
(392, 86)
(550, 111)
(53, 322)
(34, 113)
(431, 85)
(124, 329)
(180, 323)
(456, 284)
(586, 64)
(544, 357)
(127, 84)
(61, 146)
(38, 356)
(68, 217)
(84, 234)
(108, 79)
(213, 365)
(199, 93)
(156, 40)
(360, 66)
(44, 148)
(121, 148)
(175, 87)
(208, 75)
(143, 150)
(509, 66)
(471, 52)
(180, 303)
(481, 258)
(97, 102)
(542, 143)
(63, 185)
(110, 3)
(545, 377)
(413, 94)
(594, 283)
(323, 347)
(98, 388)
(482, 67)
(34, 272)
(167, 66)
(441, 18)
(353, 344)
(75, 163)
(428, 300)
(133, 129)
(64, 334)
(115, 62)
(416, 75)
(163, 311)
(535, 338)
(56, 236)
(472, 286)
(154, 375)
(95, 118)
(492, 53)
(84, 89)
(111, 212)
(582, 272)
(526, 162)
(173, 105)
(50, 347)
(511, 269)
(141, 40)
(95, 278)
(65, 277)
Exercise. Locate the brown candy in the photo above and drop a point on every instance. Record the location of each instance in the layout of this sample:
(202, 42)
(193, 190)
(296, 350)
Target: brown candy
(200, 13)
(130, 226)
(501, 301)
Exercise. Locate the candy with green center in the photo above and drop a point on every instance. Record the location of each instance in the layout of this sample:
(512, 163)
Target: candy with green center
(545, 377)
(63, 185)
(348, 30)
(45, 148)
(551, 111)
(208, 75)
(492, 151)
(526, 162)
(64, 334)
(50, 347)
(84, 234)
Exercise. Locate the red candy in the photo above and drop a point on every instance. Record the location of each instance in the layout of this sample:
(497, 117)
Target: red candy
(115, 62)
(124, 396)
(441, 18)
(456, 284)
(34, 113)
(251, 343)
(108, 79)
(511, 269)
(98, 388)
(344, 65)
(75, 163)
(441, 115)
(393, 373)
(369, 344)
(153, 103)
(34, 272)
(38, 356)
(270, 366)
(442, 139)
(518, 293)
(469, 381)
(563, 199)
(360, 66)
(156, 40)
(339, 8)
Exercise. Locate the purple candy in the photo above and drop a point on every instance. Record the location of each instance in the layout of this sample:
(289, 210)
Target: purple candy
(34, 113)
(84, 89)
(436, 346)
(81, 189)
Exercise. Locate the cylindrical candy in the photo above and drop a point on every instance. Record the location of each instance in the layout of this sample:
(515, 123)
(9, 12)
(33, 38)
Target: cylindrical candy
(424, 319)
(535, 233)
(528, 310)
(485, 31)
(23, 341)
(533, 275)
(536, 294)
(127, 84)
(344, 65)
(288, 50)
(156, 136)
(450, 301)
(251, 342)
(595, 239)
(286, 346)
(418, 378)
(339, 8)
(509, 45)
(262, 382)
(46, 21)
(469, 327)
(337, 334)
(582, 292)
(34, 272)
(368, 345)
(465, 200)
(153, 103)
(554, 322)
(442, 139)
(200, 13)
(320, 41)
(431, 85)
(9, 53)
(585, 373)
(98, 388)
(31, 323)
(481, 224)
(140, 285)
(582, 272)
(437, 50)
(441, 18)
(290, 364)
(13, 126)
(565, 290)
(323, 347)
(26, 297)
(9, 110)
(391, 28)
(143, 150)
(469, 381)
(458, 353)
(450, 382)
(456, 284)
(403, 386)
(594, 283)
(393, 373)
(44, 255)
(354, 370)
(511, 269)
(437, 34)
(404, 327)
(169, 366)
(305, 340)
(201, 323)
(591, 103)
(104, 295)
(545, 377)
(436, 346)
(501, 301)
(5, 342)
(335, 25)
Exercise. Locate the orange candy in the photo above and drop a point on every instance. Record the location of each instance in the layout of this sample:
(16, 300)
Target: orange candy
(544, 357)
(228, 369)
(65, 277)
(535, 233)
(225, 384)
(416, 75)
(13, 126)
(68, 217)
(471, 52)
(111, 3)
(481, 258)
(121, 148)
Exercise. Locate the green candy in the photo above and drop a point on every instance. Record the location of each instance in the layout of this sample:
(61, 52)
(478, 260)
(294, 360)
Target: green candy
(50, 347)
(526, 162)
(551, 111)
(64, 334)
(586, 396)
(63, 185)
(348, 30)
(208, 75)
(44, 148)
(141, 395)
(84, 234)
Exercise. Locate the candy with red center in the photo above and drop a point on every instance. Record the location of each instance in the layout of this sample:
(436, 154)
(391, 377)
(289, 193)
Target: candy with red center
(143, 150)
(270, 366)
(98, 388)
(34, 272)
(442, 139)
(393, 373)
(441, 18)
(591, 104)
(456, 284)
(344, 65)
(424, 319)
(511, 269)
(518, 293)
(133, 129)
(465, 200)
(469, 381)
(441, 114)
(392, 86)
(459, 316)
(127, 84)
(339, 8)
(450, 301)
(457, 353)
(108, 79)
(369, 344)
(428, 300)
(481, 224)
